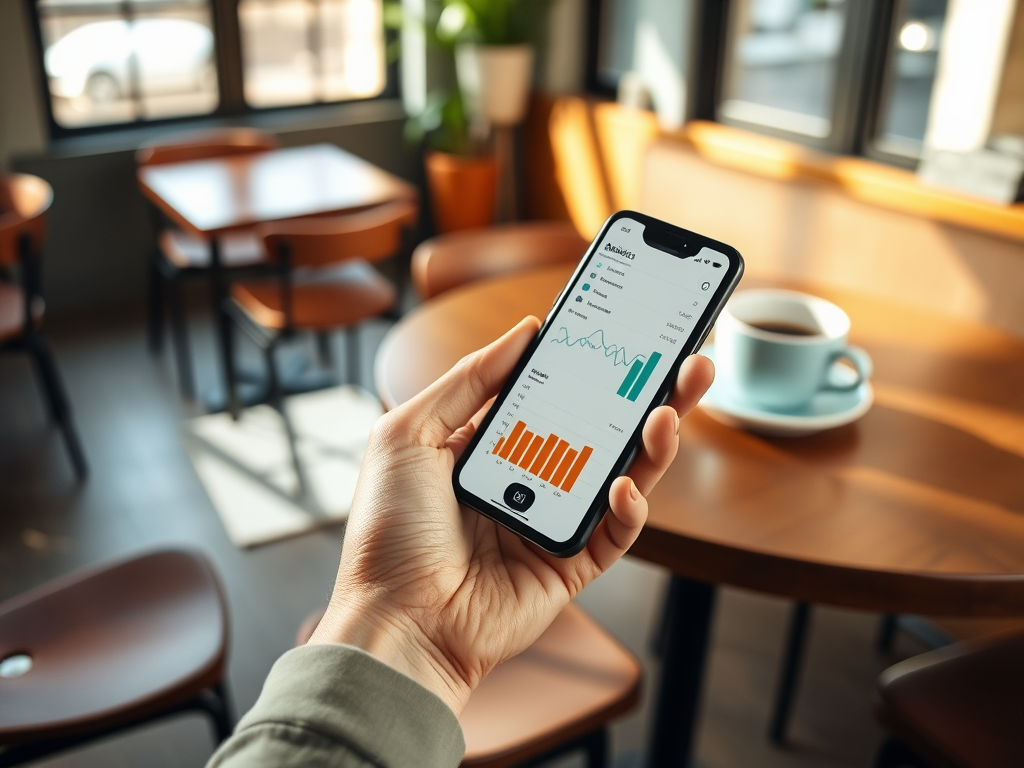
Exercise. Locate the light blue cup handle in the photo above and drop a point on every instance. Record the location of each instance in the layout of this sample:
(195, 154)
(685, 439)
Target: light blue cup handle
(862, 364)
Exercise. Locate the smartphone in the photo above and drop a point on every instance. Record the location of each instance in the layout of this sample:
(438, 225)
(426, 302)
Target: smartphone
(568, 420)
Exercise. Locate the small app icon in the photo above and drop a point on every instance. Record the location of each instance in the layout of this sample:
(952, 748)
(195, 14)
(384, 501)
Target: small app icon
(586, 286)
(599, 265)
(579, 298)
(593, 275)
(705, 285)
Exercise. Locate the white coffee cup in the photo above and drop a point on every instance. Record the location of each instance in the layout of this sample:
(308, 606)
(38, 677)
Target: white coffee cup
(775, 348)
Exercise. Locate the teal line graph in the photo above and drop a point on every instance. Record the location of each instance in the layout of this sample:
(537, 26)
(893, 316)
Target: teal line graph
(640, 366)
(596, 340)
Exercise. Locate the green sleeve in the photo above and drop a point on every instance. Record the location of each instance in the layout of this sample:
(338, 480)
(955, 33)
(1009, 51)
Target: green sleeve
(334, 705)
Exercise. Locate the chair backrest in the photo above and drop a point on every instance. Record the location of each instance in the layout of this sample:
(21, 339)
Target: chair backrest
(203, 146)
(448, 261)
(24, 201)
(372, 235)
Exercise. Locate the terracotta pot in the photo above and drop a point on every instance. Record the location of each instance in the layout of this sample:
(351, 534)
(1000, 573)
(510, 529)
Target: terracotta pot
(462, 190)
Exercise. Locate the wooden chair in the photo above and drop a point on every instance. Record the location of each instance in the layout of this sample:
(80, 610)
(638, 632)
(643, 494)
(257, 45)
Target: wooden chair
(180, 255)
(110, 648)
(24, 201)
(558, 696)
(451, 260)
(957, 707)
(324, 280)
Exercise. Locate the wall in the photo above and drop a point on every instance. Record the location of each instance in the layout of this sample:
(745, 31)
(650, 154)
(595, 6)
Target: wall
(1009, 115)
(22, 126)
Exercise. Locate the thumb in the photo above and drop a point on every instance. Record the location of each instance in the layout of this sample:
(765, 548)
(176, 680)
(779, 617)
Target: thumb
(451, 401)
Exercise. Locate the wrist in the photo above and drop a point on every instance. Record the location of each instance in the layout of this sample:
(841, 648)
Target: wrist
(400, 645)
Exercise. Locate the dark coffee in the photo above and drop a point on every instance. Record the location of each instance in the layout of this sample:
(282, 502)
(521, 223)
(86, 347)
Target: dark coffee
(786, 329)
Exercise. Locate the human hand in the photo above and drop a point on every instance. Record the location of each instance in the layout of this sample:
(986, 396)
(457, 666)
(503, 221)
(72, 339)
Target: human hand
(440, 592)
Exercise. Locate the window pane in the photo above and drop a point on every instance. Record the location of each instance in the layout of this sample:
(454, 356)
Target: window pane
(781, 67)
(616, 40)
(305, 51)
(910, 74)
(117, 62)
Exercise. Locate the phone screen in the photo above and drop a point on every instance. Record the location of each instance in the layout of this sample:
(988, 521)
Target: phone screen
(595, 372)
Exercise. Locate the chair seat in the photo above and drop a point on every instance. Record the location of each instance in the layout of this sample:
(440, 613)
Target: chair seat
(186, 251)
(322, 299)
(12, 311)
(111, 644)
(574, 679)
(960, 706)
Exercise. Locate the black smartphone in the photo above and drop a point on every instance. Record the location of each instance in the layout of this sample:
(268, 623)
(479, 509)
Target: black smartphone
(568, 420)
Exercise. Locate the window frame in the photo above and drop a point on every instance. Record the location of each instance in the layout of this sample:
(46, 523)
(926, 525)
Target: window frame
(231, 103)
(860, 87)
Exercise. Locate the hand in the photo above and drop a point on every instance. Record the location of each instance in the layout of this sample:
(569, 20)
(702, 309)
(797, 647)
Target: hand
(435, 589)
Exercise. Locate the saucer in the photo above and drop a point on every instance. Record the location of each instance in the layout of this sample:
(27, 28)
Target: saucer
(827, 410)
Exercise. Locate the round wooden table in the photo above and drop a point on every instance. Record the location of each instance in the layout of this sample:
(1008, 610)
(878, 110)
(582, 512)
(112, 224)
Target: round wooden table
(916, 508)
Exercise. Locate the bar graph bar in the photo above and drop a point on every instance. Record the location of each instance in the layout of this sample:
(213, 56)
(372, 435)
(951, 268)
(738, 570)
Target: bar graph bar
(521, 446)
(517, 430)
(549, 458)
(645, 374)
(531, 452)
(581, 461)
(630, 378)
(563, 467)
(637, 377)
(556, 456)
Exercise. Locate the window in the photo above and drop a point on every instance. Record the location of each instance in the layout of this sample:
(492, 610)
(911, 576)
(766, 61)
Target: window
(122, 62)
(304, 51)
(850, 76)
(781, 64)
(117, 62)
(909, 76)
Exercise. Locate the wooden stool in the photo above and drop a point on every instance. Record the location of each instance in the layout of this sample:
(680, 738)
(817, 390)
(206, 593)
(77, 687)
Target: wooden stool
(448, 261)
(957, 707)
(110, 648)
(558, 696)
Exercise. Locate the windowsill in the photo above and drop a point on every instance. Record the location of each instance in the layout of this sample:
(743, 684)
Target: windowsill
(279, 121)
(866, 180)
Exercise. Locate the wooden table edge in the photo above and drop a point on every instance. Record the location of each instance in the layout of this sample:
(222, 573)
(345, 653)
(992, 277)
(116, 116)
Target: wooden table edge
(964, 595)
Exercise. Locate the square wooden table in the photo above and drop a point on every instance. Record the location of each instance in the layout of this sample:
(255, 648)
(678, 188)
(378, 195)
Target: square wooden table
(212, 198)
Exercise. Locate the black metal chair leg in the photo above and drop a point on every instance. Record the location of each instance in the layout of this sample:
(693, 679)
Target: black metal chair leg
(886, 633)
(896, 754)
(597, 749)
(352, 355)
(277, 401)
(323, 349)
(57, 402)
(218, 706)
(155, 306)
(179, 323)
(790, 673)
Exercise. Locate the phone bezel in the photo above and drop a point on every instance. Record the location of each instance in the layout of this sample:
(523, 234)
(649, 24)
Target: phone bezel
(695, 242)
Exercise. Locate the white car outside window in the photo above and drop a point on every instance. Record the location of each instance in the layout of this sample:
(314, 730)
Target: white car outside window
(172, 56)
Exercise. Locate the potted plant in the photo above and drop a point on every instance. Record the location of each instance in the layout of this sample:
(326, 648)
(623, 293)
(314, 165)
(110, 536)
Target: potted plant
(489, 44)
(493, 41)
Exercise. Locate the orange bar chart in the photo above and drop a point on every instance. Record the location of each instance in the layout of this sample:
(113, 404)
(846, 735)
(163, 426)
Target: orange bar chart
(551, 459)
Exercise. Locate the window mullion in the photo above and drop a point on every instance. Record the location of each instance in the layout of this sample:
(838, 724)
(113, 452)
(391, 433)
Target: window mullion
(227, 34)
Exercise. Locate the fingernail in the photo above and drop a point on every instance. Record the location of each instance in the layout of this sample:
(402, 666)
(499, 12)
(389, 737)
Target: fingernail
(633, 492)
